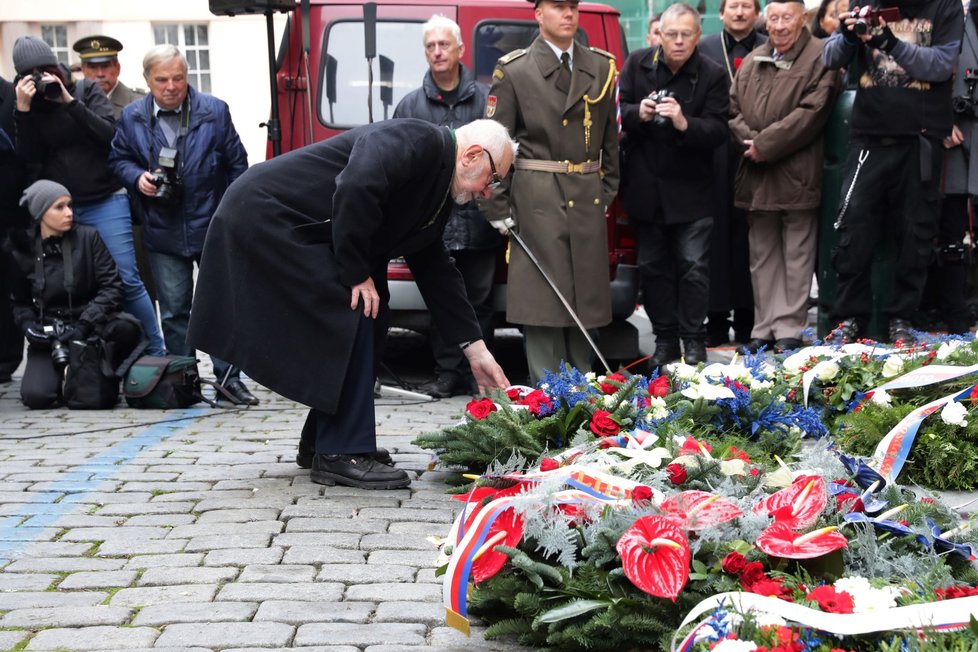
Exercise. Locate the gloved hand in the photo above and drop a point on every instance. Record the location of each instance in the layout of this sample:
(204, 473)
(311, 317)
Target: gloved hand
(848, 35)
(81, 331)
(34, 332)
(884, 41)
(503, 226)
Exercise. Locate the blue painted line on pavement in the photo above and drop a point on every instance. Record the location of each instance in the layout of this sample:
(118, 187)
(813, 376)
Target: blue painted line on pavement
(82, 479)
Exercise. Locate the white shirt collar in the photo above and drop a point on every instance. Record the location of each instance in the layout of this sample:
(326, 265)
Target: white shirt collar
(558, 52)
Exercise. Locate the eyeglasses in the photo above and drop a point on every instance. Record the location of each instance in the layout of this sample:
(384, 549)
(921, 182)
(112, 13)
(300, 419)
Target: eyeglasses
(494, 180)
(673, 35)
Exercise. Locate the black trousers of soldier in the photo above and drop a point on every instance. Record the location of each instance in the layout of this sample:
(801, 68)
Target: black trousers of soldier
(897, 191)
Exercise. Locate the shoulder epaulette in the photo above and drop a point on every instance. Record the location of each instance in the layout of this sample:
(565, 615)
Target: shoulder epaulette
(512, 56)
(604, 52)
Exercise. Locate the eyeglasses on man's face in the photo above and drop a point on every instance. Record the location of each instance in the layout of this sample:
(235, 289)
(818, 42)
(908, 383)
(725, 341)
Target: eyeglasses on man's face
(494, 179)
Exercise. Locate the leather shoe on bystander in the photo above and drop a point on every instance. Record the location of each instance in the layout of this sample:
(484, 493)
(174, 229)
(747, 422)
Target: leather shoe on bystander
(238, 390)
(361, 471)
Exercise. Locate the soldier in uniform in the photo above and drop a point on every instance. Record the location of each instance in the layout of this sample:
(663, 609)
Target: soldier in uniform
(100, 63)
(557, 99)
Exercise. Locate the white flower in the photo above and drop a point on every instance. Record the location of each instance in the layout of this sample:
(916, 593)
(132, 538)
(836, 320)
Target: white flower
(761, 384)
(826, 370)
(880, 397)
(947, 348)
(875, 600)
(853, 585)
(954, 414)
(794, 362)
(734, 645)
(717, 371)
(658, 409)
(707, 392)
(893, 366)
(590, 376)
(609, 400)
(682, 370)
(733, 467)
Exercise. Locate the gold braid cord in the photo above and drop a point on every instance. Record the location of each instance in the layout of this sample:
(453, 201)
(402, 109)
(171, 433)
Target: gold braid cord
(588, 102)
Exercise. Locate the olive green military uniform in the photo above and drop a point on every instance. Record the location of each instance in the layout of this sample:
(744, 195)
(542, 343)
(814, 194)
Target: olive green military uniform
(122, 96)
(560, 215)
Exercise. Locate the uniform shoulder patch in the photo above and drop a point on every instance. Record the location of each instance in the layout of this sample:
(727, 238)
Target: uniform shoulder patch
(512, 56)
(602, 52)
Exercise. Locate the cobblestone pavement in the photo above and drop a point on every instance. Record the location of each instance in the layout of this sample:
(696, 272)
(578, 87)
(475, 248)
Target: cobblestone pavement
(195, 530)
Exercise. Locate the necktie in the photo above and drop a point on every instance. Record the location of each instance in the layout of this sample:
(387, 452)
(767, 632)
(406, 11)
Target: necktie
(564, 73)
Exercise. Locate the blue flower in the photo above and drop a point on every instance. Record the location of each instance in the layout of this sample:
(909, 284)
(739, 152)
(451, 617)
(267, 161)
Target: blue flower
(863, 474)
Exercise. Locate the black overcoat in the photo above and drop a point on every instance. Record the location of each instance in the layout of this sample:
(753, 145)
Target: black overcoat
(291, 237)
(667, 170)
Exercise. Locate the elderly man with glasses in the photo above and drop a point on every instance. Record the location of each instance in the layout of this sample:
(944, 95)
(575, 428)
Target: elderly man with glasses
(293, 279)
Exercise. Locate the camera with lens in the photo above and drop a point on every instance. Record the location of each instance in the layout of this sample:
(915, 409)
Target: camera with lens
(966, 104)
(59, 352)
(46, 88)
(169, 185)
(869, 17)
(658, 96)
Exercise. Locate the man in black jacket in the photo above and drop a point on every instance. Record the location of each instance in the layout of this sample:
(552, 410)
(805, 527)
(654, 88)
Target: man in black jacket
(674, 106)
(451, 97)
(293, 279)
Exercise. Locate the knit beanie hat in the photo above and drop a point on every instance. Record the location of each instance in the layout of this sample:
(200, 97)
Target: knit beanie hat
(40, 196)
(31, 52)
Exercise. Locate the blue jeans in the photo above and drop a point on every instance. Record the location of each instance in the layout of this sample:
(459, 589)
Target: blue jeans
(111, 218)
(174, 276)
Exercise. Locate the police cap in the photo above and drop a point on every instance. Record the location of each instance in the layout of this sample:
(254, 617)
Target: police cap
(97, 49)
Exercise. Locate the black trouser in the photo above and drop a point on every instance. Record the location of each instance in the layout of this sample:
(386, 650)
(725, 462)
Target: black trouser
(948, 277)
(42, 383)
(11, 338)
(674, 264)
(897, 191)
(477, 267)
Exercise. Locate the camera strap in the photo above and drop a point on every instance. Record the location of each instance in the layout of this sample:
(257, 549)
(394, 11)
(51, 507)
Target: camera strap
(39, 280)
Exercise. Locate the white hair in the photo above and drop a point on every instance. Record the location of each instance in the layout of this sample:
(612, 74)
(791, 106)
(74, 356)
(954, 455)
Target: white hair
(162, 54)
(490, 135)
(439, 21)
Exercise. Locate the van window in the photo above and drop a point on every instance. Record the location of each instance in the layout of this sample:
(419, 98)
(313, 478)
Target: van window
(397, 70)
(494, 38)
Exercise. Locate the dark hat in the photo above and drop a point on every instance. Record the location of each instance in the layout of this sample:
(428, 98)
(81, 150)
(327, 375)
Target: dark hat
(31, 52)
(801, 2)
(96, 49)
(40, 196)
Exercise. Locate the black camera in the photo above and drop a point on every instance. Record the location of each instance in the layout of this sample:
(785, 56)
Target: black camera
(169, 185)
(966, 104)
(658, 96)
(59, 352)
(869, 17)
(46, 88)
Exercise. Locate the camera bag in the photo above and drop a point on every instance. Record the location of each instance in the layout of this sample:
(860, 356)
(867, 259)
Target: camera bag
(163, 383)
(90, 383)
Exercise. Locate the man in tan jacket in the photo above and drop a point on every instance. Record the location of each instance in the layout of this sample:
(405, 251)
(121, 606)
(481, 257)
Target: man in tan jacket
(780, 100)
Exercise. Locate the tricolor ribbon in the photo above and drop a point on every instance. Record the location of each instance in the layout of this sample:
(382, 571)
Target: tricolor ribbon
(929, 375)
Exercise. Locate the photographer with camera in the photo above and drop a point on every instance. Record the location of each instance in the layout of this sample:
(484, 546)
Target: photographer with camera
(63, 133)
(65, 288)
(178, 148)
(900, 116)
(674, 106)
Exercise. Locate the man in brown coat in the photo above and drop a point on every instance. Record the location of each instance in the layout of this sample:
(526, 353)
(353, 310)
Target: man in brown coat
(563, 116)
(100, 63)
(780, 100)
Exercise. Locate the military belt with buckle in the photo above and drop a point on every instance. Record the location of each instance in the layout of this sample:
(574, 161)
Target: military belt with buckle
(559, 167)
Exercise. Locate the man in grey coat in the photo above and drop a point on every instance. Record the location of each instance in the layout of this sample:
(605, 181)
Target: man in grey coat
(451, 97)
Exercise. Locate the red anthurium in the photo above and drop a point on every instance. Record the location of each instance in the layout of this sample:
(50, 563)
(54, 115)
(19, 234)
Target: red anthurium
(699, 509)
(779, 540)
(690, 445)
(506, 530)
(655, 556)
(798, 505)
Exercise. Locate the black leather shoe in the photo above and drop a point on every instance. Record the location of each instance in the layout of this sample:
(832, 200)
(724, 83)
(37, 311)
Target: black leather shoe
(444, 386)
(361, 471)
(900, 330)
(847, 331)
(787, 344)
(666, 351)
(303, 458)
(694, 351)
(756, 343)
(241, 394)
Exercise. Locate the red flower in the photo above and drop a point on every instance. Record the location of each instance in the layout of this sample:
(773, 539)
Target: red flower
(659, 387)
(603, 425)
(771, 587)
(830, 600)
(797, 505)
(755, 472)
(690, 445)
(549, 464)
(655, 556)
(509, 528)
(737, 62)
(847, 503)
(514, 394)
(753, 572)
(973, 396)
(677, 473)
(608, 388)
(736, 453)
(641, 493)
(537, 401)
(480, 408)
(779, 540)
(733, 563)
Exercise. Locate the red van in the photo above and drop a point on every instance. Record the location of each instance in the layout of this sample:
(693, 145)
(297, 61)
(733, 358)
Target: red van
(325, 83)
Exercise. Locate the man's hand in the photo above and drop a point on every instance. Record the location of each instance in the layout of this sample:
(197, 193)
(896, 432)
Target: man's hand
(503, 226)
(955, 139)
(883, 39)
(145, 185)
(669, 108)
(646, 110)
(752, 153)
(487, 372)
(371, 300)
